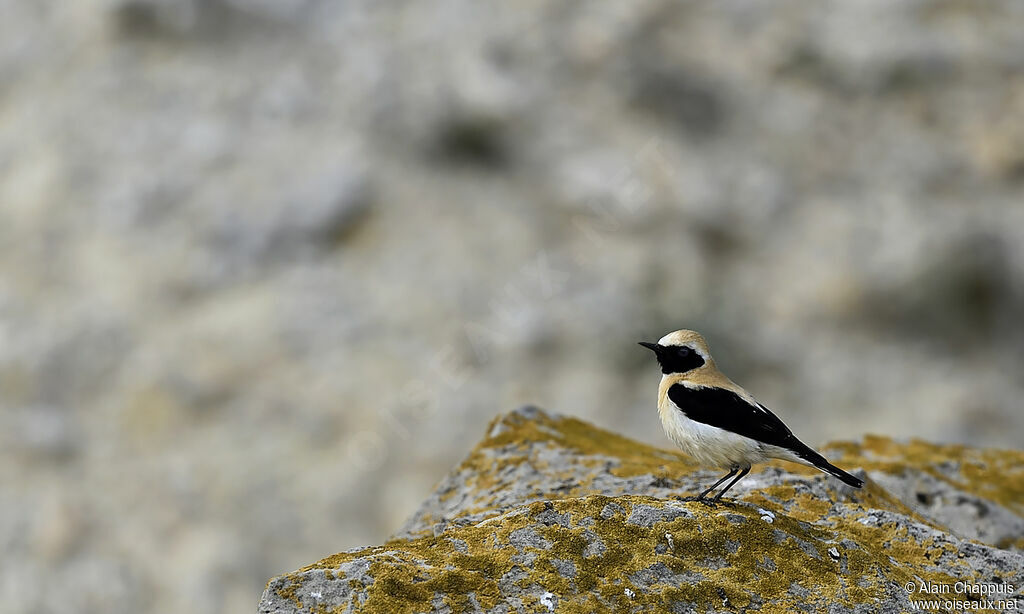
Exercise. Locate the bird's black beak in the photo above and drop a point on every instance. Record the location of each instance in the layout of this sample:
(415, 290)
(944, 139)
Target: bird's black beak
(651, 346)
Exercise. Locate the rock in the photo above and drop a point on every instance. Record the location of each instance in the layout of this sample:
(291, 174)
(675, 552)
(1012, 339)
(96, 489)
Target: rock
(970, 275)
(199, 18)
(689, 101)
(549, 513)
(43, 432)
(311, 212)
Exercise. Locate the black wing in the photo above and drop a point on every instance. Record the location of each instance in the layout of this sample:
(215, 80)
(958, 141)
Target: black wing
(727, 410)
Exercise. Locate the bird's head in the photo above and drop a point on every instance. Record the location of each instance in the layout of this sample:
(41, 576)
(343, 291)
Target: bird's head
(680, 351)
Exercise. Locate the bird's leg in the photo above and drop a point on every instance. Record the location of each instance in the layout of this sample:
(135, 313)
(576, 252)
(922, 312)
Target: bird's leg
(745, 471)
(703, 497)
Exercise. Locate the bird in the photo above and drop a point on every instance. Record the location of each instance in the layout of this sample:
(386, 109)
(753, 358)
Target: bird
(718, 423)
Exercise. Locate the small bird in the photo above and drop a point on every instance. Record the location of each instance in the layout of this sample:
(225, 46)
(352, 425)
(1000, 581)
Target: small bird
(718, 423)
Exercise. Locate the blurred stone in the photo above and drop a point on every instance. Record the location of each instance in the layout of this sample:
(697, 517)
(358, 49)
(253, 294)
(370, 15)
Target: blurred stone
(324, 209)
(474, 140)
(312, 212)
(60, 528)
(150, 17)
(45, 432)
(963, 295)
(684, 98)
(207, 20)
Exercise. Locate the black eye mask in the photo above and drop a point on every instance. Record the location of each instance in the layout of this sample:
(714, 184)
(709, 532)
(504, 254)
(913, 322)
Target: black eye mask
(676, 358)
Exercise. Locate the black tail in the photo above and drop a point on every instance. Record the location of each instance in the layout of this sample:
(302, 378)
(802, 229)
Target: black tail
(819, 461)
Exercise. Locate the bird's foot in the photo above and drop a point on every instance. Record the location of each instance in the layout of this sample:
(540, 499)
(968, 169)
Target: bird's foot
(706, 501)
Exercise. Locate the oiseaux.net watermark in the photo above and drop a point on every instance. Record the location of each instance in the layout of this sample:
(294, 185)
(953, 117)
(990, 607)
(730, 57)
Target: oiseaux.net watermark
(962, 596)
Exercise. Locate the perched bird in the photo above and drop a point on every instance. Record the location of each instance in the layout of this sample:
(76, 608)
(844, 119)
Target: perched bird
(718, 423)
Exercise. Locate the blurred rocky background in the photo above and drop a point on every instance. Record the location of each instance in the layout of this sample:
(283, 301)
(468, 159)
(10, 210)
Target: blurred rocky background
(267, 268)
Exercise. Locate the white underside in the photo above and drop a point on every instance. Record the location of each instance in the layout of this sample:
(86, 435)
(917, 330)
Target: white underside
(712, 446)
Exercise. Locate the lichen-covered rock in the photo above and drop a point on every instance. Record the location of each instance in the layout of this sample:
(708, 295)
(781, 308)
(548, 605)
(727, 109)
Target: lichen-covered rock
(551, 514)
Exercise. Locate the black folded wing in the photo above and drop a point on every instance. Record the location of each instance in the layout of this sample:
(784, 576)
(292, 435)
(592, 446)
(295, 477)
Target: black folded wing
(729, 411)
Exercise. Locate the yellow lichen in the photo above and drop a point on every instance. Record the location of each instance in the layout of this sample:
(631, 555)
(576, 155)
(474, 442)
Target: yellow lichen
(755, 559)
(291, 589)
(993, 474)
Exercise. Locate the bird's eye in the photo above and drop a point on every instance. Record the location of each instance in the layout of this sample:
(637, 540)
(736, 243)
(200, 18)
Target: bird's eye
(684, 351)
